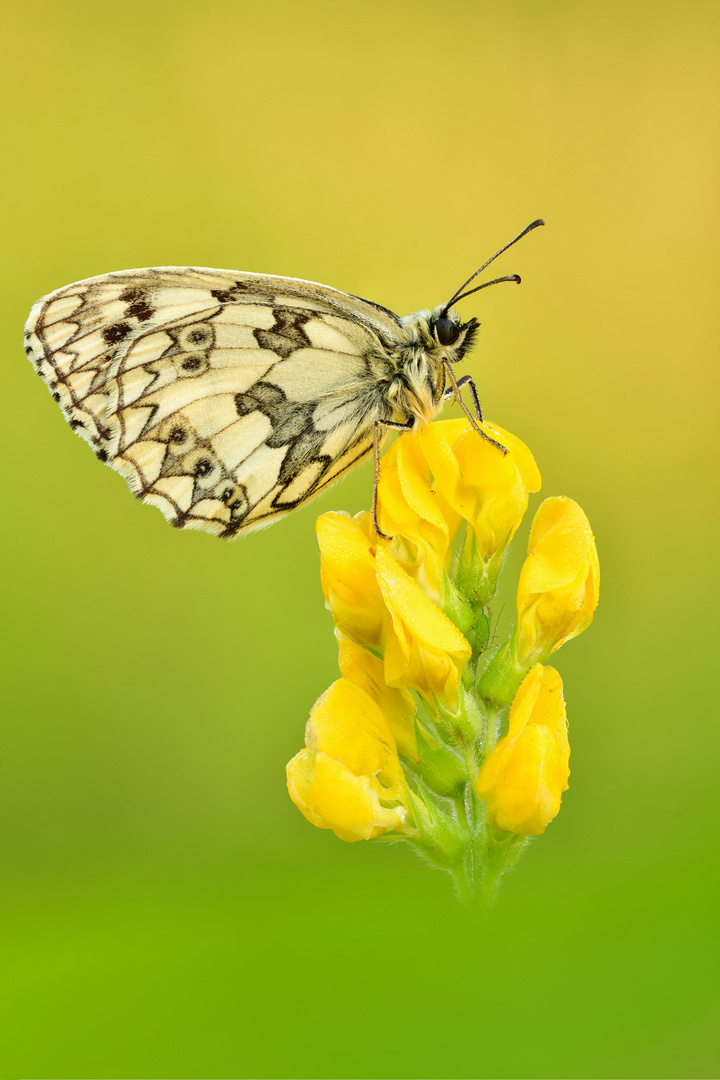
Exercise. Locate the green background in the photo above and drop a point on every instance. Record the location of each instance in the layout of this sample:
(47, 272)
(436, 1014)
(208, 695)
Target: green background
(169, 913)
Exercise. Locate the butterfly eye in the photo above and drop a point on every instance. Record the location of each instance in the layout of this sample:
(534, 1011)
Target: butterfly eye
(446, 331)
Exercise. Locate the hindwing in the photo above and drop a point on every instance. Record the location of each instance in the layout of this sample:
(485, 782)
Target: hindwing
(224, 399)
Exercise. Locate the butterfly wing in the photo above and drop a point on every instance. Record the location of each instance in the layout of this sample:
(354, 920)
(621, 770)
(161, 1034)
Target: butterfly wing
(224, 399)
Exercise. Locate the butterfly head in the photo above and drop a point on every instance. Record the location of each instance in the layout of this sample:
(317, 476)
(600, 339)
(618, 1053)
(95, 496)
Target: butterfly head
(440, 333)
(448, 332)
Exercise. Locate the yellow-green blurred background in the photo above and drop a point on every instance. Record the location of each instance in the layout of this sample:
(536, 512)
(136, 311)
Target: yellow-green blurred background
(169, 913)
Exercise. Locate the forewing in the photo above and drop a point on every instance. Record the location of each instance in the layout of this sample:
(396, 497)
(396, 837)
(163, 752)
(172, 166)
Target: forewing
(225, 399)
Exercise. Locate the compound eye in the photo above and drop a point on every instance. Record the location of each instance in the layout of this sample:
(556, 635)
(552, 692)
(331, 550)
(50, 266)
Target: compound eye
(446, 331)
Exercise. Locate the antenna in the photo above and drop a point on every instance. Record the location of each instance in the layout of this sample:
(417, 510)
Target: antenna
(460, 295)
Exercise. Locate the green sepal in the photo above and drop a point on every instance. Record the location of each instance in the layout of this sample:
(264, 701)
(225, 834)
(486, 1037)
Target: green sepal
(439, 767)
(441, 840)
(456, 608)
(479, 636)
(477, 578)
(464, 724)
(503, 675)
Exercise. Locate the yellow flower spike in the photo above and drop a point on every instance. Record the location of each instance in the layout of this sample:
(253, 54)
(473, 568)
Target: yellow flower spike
(396, 704)
(350, 769)
(523, 778)
(424, 650)
(558, 588)
(413, 618)
(347, 575)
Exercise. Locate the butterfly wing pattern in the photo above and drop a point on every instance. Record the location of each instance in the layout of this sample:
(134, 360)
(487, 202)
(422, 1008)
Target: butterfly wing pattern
(225, 399)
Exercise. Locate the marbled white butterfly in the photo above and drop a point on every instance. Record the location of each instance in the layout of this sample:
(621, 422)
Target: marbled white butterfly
(227, 399)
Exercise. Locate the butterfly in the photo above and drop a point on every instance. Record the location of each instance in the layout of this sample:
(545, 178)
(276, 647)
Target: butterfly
(228, 399)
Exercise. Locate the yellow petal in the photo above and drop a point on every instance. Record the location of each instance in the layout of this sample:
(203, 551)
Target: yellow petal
(409, 510)
(332, 797)
(347, 574)
(527, 801)
(300, 772)
(438, 445)
(487, 488)
(396, 704)
(500, 483)
(346, 724)
(404, 490)
(525, 462)
(423, 648)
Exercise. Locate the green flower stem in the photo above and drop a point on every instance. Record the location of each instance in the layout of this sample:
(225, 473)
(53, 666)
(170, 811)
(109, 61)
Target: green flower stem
(466, 871)
(470, 799)
(501, 857)
(489, 889)
(465, 891)
(466, 875)
(490, 853)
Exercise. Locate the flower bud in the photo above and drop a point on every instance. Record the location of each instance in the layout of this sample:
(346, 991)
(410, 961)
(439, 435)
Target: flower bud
(524, 776)
(462, 723)
(558, 589)
(439, 766)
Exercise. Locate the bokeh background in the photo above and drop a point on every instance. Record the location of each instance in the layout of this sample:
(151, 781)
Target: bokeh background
(169, 913)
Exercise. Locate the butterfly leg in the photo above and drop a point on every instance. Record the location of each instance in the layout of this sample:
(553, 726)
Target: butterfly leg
(394, 426)
(467, 381)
